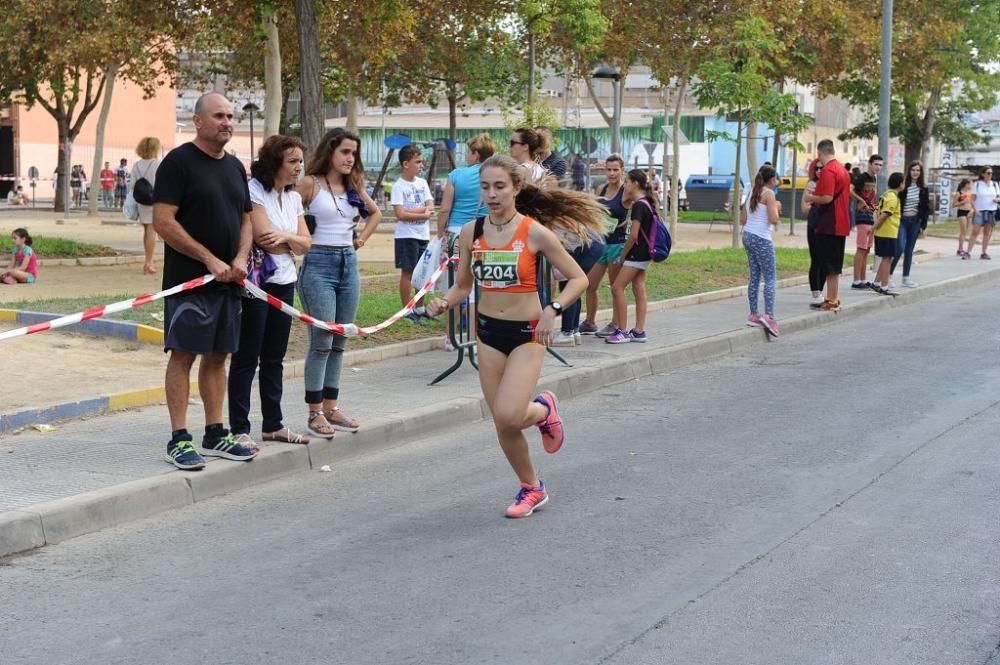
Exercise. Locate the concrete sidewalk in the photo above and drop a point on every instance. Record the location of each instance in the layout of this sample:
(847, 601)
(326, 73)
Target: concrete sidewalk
(98, 472)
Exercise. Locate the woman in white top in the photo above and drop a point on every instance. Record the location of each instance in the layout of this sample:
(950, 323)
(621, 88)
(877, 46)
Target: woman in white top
(149, 152)
(760, 212)
(279, 228)
(525, 145)
(986, 196)
(329, 283)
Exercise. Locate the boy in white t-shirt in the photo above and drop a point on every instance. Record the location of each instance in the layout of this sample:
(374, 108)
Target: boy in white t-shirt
(414, 205)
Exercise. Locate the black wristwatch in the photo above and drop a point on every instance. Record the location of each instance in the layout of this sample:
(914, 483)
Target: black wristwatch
(556, 306)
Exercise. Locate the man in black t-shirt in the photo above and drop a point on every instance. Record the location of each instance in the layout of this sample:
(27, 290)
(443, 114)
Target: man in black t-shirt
(201, 209)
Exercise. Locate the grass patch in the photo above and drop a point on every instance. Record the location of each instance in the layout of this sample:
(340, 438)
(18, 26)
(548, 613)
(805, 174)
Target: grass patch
(684, 273)
(59, 248)
(947, 229)
(708, 216)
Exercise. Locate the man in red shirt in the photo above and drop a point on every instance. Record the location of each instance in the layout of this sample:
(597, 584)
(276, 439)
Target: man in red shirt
(832, 197)
(107, 185)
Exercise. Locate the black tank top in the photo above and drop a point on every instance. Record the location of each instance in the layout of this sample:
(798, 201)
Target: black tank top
(618, 211)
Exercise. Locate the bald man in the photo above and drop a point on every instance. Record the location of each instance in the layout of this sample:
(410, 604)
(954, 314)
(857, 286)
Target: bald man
(201, 209)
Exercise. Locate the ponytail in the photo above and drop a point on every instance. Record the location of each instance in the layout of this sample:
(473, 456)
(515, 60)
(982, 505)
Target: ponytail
(639, 177)
(763, 177)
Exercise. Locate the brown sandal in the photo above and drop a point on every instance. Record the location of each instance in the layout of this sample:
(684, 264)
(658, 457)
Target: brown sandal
(285, 435)
(339, 421)
(322, 428)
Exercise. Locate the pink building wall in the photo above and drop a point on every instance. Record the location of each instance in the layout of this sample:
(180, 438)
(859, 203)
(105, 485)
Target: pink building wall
(131, 118)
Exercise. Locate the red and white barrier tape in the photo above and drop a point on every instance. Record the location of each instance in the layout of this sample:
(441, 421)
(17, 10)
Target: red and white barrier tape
(98, 312)
(345, 329)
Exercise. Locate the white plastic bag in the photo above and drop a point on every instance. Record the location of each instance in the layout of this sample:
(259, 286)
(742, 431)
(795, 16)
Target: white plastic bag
(130, 209)
(427, 264)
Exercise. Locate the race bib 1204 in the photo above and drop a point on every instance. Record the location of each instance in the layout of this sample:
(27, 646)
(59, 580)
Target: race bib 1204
(496, 269)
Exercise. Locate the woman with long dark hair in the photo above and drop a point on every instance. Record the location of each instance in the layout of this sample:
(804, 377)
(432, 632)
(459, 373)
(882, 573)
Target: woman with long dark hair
(279, 228)
(916, 210)
(759, 214)
(501, 251)
(635, 258)
(329, 282)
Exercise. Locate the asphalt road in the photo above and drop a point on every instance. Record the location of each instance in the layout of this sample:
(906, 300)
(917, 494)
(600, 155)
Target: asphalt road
(829, 498)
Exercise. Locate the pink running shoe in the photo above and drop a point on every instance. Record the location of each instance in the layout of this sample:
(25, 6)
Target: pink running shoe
(753, 321)
(770, 325)
(551, 426)
(528, 500)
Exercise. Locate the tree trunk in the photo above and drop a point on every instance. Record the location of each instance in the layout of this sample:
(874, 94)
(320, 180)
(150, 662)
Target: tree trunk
(751, 144)
(597, 102)
(65, 148)
(616, 124)
(272, 76)
(352, 110)
(531, 69)
(452, 119)
(736, 180)
(102, 121)
(776, 147)
(675, 187)
(283, 125)
(310, 83)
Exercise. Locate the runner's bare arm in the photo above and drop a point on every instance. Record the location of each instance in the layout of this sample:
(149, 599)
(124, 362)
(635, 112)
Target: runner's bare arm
(167, 227)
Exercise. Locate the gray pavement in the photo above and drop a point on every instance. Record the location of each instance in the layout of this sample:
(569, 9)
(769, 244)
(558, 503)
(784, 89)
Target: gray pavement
(827, 499)
(393, 401)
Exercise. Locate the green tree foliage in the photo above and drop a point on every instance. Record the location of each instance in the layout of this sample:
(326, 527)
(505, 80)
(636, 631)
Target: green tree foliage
(57, 54)
(736, 77)
(460, 54)
(943, 68)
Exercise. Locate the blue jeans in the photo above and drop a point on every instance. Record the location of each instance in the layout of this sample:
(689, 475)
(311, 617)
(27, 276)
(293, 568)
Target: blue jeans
(909, 229)
(330, 288)
(586, 257)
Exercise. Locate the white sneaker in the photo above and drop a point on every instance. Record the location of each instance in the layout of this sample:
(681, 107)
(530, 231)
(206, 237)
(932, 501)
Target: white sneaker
(891, 285)
(564, 339)
(578, 338)
(909, 283)
(448, 346)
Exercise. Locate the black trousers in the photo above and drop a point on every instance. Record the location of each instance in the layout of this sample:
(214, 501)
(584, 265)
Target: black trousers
(817, 271)
(263, 341)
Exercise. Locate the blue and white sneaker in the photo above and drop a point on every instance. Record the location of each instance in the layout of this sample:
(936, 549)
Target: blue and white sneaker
(228, 447)
(638, 337)
(183, 455)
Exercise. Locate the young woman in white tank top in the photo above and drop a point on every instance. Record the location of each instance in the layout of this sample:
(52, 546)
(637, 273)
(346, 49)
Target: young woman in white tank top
(329, 284)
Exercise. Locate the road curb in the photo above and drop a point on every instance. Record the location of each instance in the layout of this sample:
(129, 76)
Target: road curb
(54, 521)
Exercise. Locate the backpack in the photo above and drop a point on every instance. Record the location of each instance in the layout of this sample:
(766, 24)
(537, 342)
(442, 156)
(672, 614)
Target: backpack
(142, 191)
(659, 240)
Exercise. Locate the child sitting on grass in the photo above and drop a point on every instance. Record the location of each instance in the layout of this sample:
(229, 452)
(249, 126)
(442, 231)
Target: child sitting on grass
(24, 264)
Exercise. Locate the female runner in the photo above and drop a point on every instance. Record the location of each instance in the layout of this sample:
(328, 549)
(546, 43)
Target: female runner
(501, 250)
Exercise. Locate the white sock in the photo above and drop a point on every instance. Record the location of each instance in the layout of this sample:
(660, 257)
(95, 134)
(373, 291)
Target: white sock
(420, 310)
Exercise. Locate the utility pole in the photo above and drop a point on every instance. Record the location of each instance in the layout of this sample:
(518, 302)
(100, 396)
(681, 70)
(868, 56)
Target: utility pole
(885, 92)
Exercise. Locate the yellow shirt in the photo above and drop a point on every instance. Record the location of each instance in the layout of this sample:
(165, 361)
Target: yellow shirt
(889, 203)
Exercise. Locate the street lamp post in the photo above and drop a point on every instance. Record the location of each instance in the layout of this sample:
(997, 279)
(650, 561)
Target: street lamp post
(610, 73)
(251, 109)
